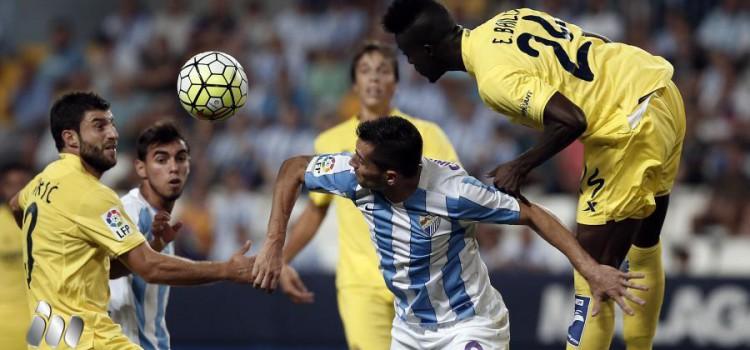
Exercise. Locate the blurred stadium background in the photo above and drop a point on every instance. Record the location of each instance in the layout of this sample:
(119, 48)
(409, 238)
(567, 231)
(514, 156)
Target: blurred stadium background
(296, 54)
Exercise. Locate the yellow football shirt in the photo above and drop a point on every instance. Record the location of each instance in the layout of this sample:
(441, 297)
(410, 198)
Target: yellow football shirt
(73, 225)
(358, 263)
(520, 58)
(13, 307)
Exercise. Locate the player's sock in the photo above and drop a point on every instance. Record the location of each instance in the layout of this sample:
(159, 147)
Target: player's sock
(639, 330)
(587, 332)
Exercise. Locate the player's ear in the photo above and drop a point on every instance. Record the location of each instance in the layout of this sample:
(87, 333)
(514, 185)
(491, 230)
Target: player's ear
(140, 168)
(390, 177)
(428, 49)
(70, 138)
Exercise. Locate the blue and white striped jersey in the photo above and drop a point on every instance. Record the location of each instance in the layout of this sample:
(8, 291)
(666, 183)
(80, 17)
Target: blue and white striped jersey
(137, 306)
(427, 247)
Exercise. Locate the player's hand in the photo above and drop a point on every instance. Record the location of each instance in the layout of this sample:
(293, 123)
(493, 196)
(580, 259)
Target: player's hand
(161, 229)
(267, 267)
(608, 282)
(508, 178)
(240, 267)
(292, 286)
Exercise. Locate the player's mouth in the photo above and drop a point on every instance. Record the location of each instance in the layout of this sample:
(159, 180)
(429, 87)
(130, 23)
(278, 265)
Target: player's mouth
(374, 92)
(111, 148)
(175, 183)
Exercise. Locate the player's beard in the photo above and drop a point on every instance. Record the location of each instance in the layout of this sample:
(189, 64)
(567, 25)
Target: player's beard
(94, 156)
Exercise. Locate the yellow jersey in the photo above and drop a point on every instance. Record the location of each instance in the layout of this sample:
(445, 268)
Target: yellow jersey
(521, 57)
(358, 263)
(73, 225)
(13, 307)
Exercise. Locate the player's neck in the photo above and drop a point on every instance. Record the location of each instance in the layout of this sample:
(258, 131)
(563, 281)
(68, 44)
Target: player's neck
(372, 113)
(454, 58)
(154, 199)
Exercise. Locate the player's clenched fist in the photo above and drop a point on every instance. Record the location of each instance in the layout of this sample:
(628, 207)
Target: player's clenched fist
(267, 268)
(240, 267)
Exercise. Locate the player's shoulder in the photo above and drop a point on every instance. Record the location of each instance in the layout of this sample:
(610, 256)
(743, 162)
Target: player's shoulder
(336, 137)
(442, 176)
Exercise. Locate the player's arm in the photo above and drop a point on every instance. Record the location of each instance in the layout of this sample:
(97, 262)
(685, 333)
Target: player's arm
(563, 123)
(15, 208)
(605, 281)
(285, 192)
(329, 173)
(163, 233)
(159, 268)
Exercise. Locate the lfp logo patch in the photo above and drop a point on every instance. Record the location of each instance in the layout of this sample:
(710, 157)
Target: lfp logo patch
(324, 165)
(575, 331)
(116, 223)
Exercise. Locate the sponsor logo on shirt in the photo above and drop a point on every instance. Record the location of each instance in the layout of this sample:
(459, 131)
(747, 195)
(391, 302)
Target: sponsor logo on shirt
(116, 223)
(324, 165)
(525, 103)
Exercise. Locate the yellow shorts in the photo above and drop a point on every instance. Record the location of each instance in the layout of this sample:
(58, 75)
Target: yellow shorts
(367, 314)
(621, 179)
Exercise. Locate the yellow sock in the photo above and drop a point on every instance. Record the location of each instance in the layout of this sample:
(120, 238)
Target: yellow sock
(639, 330)
(586, 332)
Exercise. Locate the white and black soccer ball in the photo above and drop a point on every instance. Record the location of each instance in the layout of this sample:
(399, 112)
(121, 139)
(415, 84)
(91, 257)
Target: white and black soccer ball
(212, 86)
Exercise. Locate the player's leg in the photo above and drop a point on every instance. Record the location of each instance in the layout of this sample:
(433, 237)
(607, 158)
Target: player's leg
(645, 253)
(367, 315)
(607, 244)
(645, 257)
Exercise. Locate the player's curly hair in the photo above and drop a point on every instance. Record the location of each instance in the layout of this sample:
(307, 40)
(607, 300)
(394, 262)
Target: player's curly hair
(67, 112)
(401, 14)
(397, 142)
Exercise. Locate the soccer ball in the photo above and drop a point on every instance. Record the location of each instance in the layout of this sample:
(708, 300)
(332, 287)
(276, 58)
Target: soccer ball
(212, 86)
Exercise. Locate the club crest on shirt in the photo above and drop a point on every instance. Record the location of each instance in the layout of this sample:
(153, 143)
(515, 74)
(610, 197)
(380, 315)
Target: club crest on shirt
(324, 165)
(116, 223)
(429, 223)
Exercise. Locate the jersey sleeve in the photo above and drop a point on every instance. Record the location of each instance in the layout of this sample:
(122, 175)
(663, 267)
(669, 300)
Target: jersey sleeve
(102, 218)
(479, 202)
(318, 198)
(331, 173)
(517, 94)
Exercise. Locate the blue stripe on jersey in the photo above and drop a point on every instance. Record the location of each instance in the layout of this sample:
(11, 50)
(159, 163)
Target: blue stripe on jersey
(452, 281)
(139, 285)
(382, 215)
(462, 208)
(420, 246)
(342, 182)
(162, 336)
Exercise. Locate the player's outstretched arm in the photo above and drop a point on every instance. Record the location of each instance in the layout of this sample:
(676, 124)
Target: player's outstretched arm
(564, 122)
(605, 281)
(269, 262)
(302, 232)
(159, 268)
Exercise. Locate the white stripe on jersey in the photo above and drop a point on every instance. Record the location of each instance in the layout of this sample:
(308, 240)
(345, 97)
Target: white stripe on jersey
(137, 306)
(427, 247)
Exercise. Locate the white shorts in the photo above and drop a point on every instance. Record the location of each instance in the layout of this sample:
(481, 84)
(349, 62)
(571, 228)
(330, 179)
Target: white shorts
(475, 333)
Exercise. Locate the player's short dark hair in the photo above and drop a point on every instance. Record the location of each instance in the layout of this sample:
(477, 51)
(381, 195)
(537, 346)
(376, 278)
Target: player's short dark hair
(388, 52)
(401, 14)
(68, 111)
(397, 142)
(161, 133)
